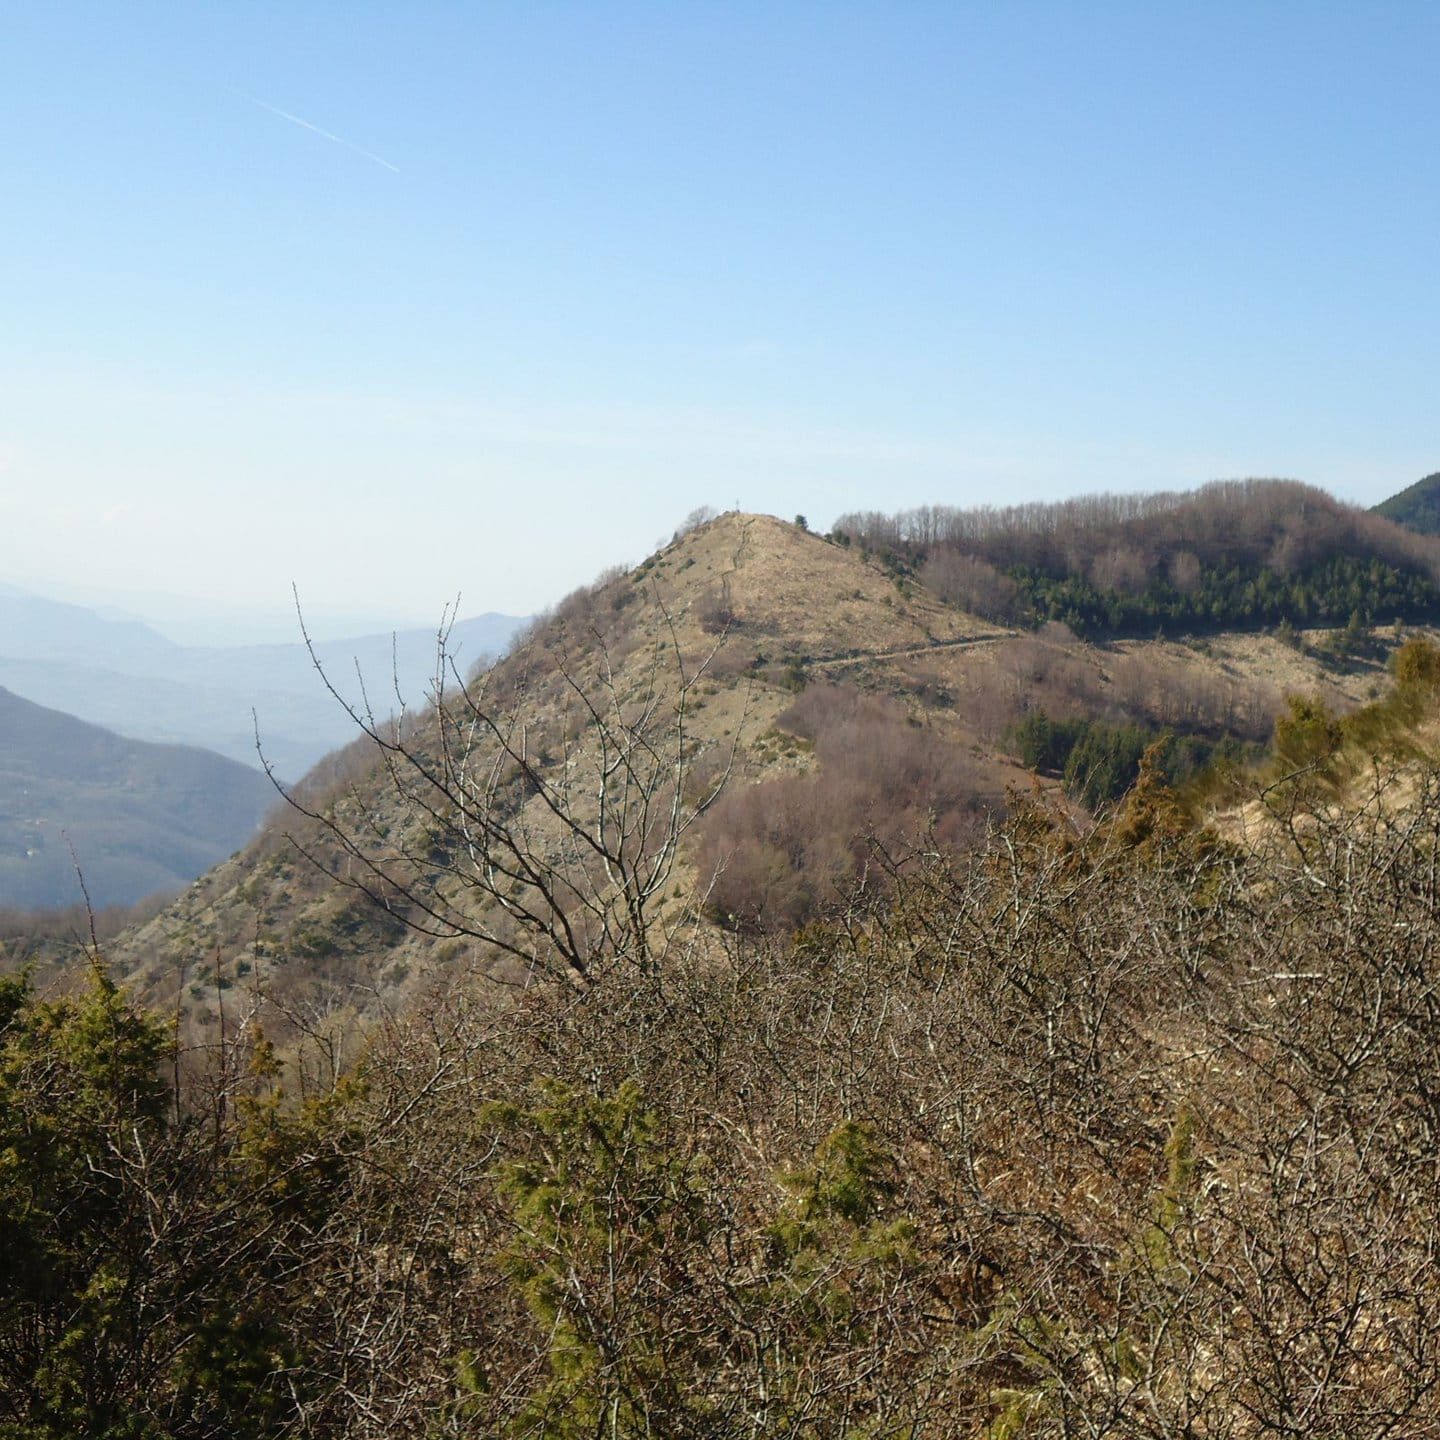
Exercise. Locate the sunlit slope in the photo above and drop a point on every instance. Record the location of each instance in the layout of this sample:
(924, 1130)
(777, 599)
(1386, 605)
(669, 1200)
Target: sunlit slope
(836, 695)
(750, 605)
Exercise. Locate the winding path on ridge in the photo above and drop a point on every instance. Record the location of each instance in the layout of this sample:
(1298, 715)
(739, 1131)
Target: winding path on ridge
(961, 642)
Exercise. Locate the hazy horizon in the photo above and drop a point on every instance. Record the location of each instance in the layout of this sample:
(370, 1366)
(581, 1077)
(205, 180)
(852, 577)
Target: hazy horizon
(192, 620)
(400, 305)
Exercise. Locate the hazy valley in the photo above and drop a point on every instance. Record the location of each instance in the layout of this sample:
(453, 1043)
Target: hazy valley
(147, 818)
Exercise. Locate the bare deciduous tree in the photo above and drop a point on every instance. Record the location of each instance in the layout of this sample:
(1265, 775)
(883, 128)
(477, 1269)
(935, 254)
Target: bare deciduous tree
(537, 808)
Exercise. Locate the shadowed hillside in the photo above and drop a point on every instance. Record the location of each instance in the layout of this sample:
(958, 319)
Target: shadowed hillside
(140, 818)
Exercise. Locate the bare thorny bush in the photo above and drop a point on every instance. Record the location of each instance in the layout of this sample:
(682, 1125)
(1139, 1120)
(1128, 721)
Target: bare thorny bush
(537, 809)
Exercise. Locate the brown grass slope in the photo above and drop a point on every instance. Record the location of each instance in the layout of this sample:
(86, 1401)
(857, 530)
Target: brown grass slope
(795, 658)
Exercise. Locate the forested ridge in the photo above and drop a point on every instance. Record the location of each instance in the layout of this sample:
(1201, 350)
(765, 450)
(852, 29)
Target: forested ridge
(1417, 507)
(1235, 554)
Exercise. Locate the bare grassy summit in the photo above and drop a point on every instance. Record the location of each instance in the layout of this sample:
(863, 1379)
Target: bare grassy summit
(807, 596)
(739, 612)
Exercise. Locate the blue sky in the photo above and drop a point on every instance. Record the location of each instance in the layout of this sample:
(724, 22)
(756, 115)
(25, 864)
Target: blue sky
(568, 271)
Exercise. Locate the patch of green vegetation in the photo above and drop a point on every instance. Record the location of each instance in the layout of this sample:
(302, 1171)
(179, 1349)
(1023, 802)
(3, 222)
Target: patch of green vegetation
(1100, 762)
(1416, 508)
(1340, 589)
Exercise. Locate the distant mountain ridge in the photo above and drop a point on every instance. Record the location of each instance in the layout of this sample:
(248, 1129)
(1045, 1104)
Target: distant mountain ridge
(33, 628)
(126, 676)
(140, 818)
(1417, 507)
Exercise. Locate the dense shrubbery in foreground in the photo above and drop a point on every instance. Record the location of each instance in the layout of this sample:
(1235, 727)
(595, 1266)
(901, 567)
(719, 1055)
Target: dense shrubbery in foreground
(1122, 1134)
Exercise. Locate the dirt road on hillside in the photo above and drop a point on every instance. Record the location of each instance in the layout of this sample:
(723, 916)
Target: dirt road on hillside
(962, 642)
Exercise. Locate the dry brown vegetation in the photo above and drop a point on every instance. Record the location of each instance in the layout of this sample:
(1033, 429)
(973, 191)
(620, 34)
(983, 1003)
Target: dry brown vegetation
(1038, 1127)
(808, 621)
(1125, 1133)
(782, 851)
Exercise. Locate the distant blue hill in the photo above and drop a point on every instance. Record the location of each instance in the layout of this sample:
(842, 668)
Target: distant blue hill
(32, 628)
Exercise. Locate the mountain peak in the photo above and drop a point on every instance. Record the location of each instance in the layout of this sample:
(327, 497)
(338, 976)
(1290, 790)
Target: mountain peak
(791, 593)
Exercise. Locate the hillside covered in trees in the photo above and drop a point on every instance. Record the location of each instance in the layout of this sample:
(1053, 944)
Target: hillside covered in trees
(1232, 555)
(1417, 507)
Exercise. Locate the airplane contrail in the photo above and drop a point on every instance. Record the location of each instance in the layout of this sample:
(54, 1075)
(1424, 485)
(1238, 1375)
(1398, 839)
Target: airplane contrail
(324, 134)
